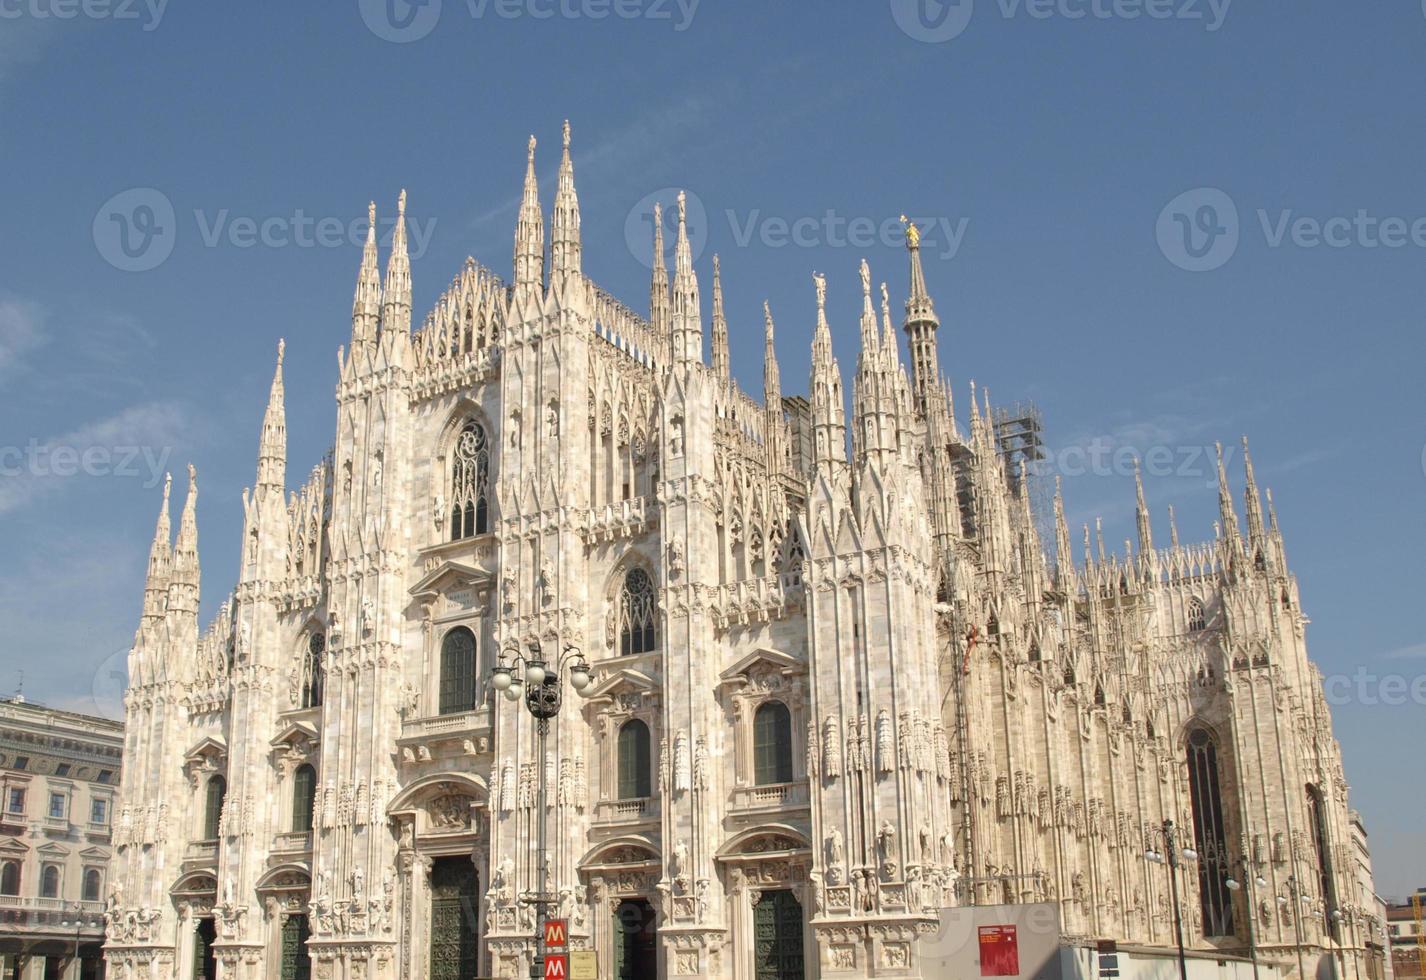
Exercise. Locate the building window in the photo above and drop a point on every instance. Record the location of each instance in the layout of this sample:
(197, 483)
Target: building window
(1209, 834)
(635, 771)
(49, 881)
(457, 672)
(313, 673)
(22, 762)
(304, 798)
(104, 776)
(772, 743)
(93, 882)
(1197, 618)
(16, 801)
(1317, 815)
(59, 804)
(10, 878)
(470, 478)
(636, 614)
(98, 811)
(62, 769)
(213, 808)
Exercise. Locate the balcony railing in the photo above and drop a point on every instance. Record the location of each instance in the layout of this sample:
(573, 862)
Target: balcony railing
(467, 722)
(772, 796)
(201, 852)
(626, 811)
(33, 903)
(294, 842)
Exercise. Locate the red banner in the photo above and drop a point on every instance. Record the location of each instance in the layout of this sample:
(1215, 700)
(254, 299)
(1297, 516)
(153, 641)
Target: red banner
(999, 951)
(556, 933)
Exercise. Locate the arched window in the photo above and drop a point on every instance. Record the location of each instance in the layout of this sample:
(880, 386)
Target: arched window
(1197, 618)
(213, 808)
(636, 614)
(1209, 834)
(457, 672)
(1317, 816)
(92, 883)
(470, 480)
(304, 798)
(10, 878)
(313, 673)
(635, 770)
(49, 881)
(772, 743)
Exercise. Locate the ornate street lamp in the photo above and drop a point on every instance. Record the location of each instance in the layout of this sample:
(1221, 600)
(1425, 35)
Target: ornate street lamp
(1171, 855)
(1294, 889)
(1253, 883)
(528, 673)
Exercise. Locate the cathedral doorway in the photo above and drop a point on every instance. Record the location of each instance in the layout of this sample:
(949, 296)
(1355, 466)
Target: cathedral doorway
(205, 962)
(455, 939)
(636, 942)
(777, 936)
(296, 964)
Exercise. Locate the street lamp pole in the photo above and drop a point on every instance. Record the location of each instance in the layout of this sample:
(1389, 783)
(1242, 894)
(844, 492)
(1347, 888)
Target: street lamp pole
(1251, 881)
(528, 674)
(1292, 889)
(1171, 857)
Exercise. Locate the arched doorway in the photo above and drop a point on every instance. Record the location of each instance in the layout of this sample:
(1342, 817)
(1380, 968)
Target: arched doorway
(777, 936)
(455, 935)
(636, 943)
(205, 961)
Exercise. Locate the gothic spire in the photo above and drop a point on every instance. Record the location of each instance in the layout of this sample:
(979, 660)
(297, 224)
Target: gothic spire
(658, 284)
(272, 448)
(1064, 557)
(1226, 513)
(828, 412)
(366, 305)
(772, 378)
(186, 577)
(160, 552)
(565, 245)
(1146, 531)
(921, 321)
(720, 326)
(687, 317)
(396, 296)
(1173, 529)
(888, 334)
(530, 231)
(871, 342)
(1252, 504)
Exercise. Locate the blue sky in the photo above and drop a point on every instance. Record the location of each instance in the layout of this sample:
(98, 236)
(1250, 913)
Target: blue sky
(1066, 156)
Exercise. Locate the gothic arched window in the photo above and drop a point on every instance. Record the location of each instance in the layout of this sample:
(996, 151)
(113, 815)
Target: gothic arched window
(1197, 618)
(313, 673)
(470, 481)
(49, 881)
(213, 807)
(1209, 834)
(10, 878)
(635, 769)
(1317, 816)
(304, 798)
(772, 743)
(91, 885)
(457, 672)
(636, 614)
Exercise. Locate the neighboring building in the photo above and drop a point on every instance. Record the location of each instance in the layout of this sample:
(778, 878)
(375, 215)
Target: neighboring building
(1369, 905)
(59, 783)
(1404, 928)
(834, 691)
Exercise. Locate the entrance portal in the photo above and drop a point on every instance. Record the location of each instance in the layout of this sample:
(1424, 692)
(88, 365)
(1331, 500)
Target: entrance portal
(636, 946)
(455, 938)
(777, 936)
(205, 963)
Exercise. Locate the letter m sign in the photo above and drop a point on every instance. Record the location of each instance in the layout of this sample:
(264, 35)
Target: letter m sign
(556, 967)
(556, 933)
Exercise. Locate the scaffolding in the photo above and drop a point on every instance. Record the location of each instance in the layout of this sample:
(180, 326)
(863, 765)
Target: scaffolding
(1020, 440)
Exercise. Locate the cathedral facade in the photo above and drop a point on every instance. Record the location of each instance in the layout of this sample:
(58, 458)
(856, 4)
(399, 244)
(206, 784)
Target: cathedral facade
(838, 682)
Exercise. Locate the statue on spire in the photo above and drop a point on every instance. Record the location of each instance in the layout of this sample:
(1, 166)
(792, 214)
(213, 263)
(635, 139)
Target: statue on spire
(913, 234)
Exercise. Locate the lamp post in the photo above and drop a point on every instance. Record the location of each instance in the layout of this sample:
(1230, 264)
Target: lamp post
(517, 673)
(80, 921)
(1252, 881)
(1294, 890)
(1171, 855)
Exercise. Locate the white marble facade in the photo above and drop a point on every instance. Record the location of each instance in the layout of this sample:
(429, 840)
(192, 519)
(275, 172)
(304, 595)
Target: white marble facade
(869, 690)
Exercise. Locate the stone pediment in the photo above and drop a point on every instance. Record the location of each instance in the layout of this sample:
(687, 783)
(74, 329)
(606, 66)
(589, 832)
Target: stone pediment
(448, 576)
(762, 660)
(9, 845)
(208, 755)
(294, 733)
(625, 681)
(94, 854)
(52, 850)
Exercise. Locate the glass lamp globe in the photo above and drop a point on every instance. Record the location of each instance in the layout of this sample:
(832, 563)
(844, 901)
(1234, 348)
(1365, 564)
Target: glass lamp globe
(502, 678)
(1189, 854)
(512, 691)
(535, 673)
(579, 677)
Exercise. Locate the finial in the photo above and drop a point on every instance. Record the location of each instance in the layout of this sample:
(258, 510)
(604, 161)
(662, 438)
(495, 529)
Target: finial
(371, 214)
(401, 204)
(913, 234)
(192, 477)
(716, 268)
(167, 486)
(530, 153)
(682, 207)
(866, 278)
(767, 318)
(885, 303)
(821, 283)
(566, 134)
(281, 350)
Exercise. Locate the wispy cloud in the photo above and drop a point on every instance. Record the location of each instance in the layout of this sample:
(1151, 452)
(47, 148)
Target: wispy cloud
(21, 330)
(1416, 651)
(134, 444)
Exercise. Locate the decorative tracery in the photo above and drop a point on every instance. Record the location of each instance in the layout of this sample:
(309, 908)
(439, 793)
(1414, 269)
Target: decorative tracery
(314, 676)
(470, 482)
(637, 633)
